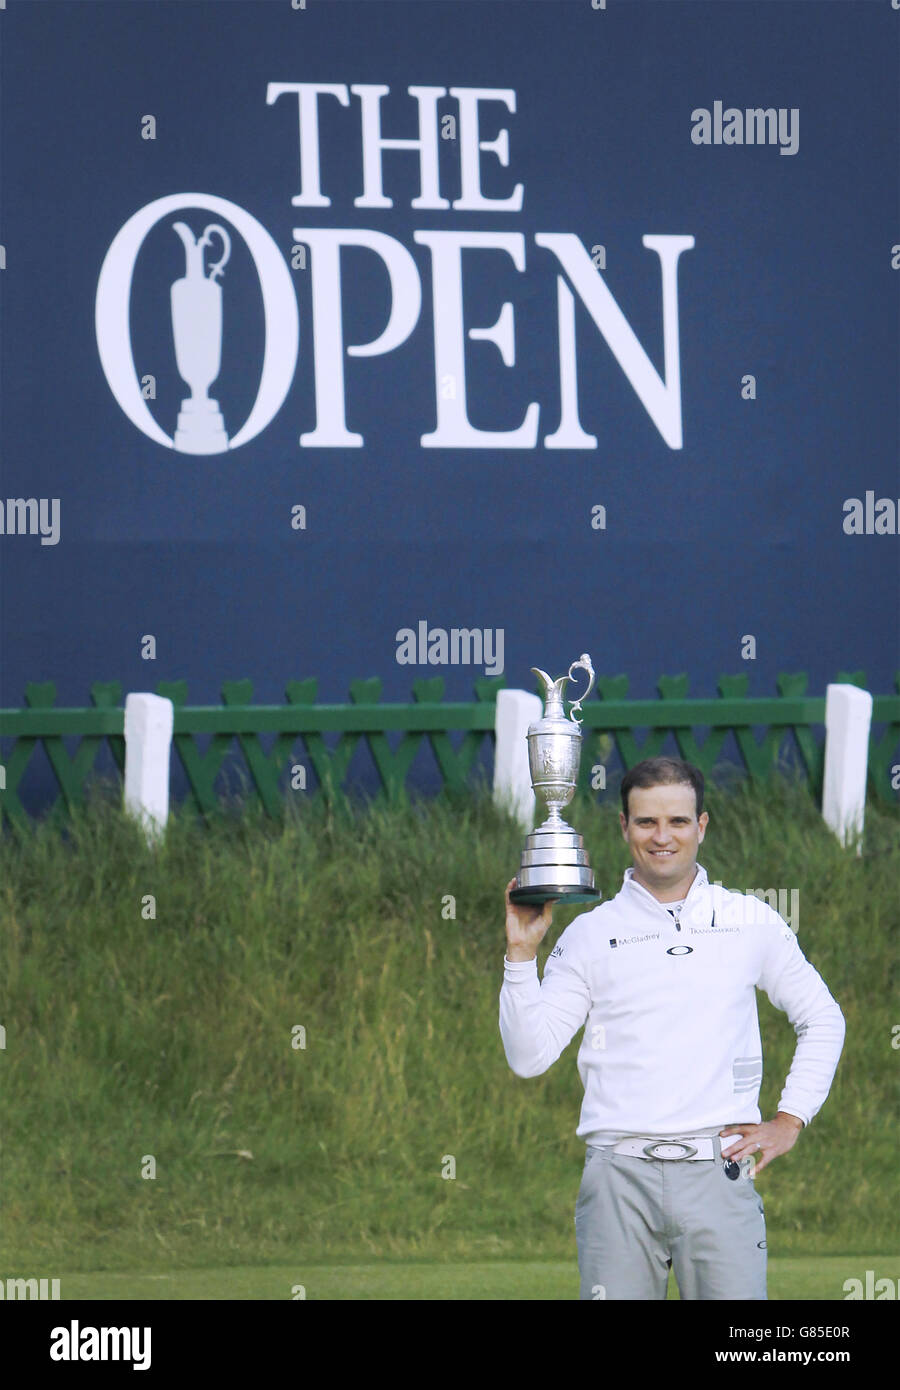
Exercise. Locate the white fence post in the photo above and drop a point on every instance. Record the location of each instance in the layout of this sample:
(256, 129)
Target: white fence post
(149, 721)
(516, 709)
(848, 718)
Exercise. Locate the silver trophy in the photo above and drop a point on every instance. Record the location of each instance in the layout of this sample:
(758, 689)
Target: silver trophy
(555, 863)
(197, 329)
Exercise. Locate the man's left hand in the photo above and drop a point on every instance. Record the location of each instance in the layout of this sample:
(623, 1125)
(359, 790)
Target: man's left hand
(772, 1138)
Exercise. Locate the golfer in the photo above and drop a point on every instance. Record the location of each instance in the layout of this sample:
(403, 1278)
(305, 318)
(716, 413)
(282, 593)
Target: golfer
(662, 978)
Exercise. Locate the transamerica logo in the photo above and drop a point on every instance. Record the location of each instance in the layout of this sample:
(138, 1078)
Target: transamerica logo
(198, 300)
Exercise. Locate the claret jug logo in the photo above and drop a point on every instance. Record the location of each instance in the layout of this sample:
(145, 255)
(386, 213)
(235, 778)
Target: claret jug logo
(197, 323)
(202, 324)
(197, 328)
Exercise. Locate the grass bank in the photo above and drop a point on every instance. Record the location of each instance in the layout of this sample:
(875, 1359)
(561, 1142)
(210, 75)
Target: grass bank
(152, 1002)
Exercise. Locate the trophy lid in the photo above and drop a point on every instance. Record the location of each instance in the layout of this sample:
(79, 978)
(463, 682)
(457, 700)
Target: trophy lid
(553, 692)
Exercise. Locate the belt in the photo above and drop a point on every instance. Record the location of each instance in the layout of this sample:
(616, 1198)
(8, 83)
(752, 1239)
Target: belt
(694, 1146)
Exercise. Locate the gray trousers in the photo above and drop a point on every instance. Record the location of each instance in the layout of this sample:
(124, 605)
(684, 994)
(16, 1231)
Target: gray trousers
(635, 1217)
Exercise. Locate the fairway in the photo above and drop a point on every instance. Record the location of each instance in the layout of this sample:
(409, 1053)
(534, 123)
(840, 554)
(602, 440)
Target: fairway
(800, 1277)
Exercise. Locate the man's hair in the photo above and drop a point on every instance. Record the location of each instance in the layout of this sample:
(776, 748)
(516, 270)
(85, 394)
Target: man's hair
(663, 772)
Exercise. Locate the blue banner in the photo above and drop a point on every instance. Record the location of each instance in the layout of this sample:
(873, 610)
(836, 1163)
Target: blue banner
(409, 339)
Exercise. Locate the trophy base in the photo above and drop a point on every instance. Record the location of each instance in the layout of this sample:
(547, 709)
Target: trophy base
(561, 892)
(554, 865)
(201, 428)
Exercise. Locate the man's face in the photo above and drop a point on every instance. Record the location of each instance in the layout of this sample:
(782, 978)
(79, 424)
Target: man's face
(663, 833)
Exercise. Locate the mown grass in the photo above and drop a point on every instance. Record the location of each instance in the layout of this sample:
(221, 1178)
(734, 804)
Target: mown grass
(794, 1277)
(133, 1038)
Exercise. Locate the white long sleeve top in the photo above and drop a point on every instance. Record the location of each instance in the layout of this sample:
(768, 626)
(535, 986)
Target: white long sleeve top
(671, 1043)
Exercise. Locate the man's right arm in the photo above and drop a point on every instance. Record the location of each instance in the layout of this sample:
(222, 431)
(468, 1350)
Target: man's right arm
(537, 1021)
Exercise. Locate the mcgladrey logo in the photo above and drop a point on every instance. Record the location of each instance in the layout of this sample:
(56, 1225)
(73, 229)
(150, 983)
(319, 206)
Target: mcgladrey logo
(221, 260)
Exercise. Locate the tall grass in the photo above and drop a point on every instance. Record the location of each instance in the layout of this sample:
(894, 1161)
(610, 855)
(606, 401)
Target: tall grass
(171, 1039)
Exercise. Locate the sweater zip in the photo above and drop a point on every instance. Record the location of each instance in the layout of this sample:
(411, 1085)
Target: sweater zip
(662, 906)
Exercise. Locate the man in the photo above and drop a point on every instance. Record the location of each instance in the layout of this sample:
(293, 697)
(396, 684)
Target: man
(671, 1060)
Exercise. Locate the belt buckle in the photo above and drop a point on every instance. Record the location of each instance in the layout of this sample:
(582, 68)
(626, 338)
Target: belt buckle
(689, 1150)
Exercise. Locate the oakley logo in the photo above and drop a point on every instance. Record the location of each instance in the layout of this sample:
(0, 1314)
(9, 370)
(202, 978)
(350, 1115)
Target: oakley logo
(679, 950)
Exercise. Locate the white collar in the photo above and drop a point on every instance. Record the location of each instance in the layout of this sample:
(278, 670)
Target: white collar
(700, 879)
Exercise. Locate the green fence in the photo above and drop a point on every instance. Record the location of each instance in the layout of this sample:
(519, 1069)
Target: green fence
(768, 732)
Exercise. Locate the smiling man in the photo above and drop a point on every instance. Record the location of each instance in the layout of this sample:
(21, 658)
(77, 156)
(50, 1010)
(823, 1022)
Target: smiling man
(663, 978)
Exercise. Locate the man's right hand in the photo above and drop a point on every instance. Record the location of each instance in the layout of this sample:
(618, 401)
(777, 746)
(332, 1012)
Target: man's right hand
(526, 926)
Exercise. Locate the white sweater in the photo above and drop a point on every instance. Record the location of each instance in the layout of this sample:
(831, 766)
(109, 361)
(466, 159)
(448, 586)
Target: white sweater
(671, 1044)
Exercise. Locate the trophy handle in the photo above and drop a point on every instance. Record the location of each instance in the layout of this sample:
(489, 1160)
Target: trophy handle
(205, 240)
(583, 663)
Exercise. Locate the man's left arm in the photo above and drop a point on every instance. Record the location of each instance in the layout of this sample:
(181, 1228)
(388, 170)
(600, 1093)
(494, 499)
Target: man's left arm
(797, 989)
